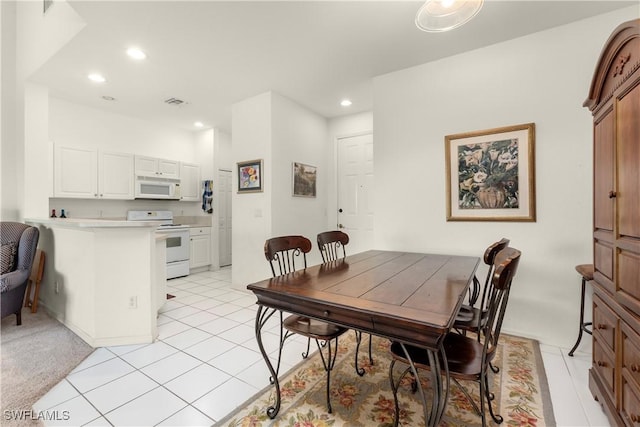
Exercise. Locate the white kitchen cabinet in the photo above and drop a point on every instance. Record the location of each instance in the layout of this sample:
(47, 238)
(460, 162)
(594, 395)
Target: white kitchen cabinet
(75, 172)
(200, 247)
(152, 166)
(190, 182)
(88, 174)
(115, 179)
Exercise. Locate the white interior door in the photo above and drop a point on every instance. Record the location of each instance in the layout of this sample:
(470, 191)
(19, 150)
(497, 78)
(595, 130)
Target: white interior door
(355, 190)
(224, 217)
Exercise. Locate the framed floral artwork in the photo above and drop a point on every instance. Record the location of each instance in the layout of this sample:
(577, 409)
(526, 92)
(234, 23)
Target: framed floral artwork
(304, 180)
(490, 174)
(250, 176)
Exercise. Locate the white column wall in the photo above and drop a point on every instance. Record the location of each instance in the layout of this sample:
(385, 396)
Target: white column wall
(37, 163)
(8, 114)
(251, 130)
(541, 78)
(279, 131)
(299, 135)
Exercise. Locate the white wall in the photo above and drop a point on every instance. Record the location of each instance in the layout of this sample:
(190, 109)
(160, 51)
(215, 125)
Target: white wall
(37, 163)
(204, 151)
(29, 39)
(279, 131)
(8, 131)
(299, 135)
(40, 35)
(81, 126)
(541, 78)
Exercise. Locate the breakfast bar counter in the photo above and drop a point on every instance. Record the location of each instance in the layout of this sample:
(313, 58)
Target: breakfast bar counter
(102, 278)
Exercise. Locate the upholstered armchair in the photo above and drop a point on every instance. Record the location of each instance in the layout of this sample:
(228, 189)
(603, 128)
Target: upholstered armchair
(18, 247)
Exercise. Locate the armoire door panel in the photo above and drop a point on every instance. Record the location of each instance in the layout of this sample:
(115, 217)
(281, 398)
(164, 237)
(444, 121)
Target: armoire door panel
(629, 280)
(603, 157)
(628, 199)
(603, 255)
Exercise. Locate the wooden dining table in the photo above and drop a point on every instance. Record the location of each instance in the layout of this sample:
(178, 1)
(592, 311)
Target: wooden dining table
(412, 298)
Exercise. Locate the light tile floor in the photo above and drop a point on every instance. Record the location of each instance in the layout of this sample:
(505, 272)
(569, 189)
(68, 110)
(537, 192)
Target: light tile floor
(206, 362)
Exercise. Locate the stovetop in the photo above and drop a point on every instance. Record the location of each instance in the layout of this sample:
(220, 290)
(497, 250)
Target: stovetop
(163, 218)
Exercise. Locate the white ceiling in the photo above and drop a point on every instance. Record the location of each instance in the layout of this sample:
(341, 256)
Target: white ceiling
(213, 54)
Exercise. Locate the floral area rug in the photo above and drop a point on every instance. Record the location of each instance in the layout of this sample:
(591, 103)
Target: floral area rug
(520, 388)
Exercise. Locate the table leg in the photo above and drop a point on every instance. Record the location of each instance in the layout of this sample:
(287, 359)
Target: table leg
(262, 315)
(439, 400)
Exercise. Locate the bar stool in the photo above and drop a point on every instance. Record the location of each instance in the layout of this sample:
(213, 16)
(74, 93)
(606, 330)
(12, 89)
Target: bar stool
(586, 271)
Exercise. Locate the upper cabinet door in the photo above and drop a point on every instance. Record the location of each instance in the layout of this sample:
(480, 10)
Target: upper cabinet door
(168, 168)
(159, 168)
(75, 172)
(190, 182)
(146, 166)
(116, 176)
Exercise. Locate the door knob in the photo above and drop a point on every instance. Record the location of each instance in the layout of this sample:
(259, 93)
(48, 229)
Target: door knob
(340, 210)
(612, 194)
(340, 226)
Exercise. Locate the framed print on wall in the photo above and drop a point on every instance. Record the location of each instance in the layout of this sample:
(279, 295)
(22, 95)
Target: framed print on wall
(304, 180)
(490, 174)
(250, 176)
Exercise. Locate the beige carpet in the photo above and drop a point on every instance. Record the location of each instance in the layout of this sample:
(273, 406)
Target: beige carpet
(35, 357)
(520, 387)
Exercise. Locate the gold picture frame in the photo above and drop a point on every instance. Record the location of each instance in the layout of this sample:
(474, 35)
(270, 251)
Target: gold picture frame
(490, 174)
(250, 176)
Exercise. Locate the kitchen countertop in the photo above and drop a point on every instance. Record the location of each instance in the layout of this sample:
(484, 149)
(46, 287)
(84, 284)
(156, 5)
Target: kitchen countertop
(91, 223)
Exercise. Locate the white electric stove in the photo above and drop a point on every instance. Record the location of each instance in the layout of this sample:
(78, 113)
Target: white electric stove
(177, 239)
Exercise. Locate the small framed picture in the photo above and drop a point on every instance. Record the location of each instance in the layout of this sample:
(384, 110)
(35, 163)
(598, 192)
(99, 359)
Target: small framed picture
(250, 176)
(304, 180)
(491, 174)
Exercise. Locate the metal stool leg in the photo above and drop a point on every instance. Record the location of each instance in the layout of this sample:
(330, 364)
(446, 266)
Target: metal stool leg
(583, 325)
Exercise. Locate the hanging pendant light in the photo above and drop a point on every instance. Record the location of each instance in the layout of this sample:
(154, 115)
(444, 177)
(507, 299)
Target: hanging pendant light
(445, 15)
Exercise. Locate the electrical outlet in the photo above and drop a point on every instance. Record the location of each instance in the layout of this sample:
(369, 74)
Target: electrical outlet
(133, 302)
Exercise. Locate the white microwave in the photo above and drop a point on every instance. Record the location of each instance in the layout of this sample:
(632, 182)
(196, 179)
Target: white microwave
(157, 188)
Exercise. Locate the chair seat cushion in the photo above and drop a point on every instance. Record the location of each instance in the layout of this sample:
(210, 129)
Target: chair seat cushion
(312, 328)
(8, 253)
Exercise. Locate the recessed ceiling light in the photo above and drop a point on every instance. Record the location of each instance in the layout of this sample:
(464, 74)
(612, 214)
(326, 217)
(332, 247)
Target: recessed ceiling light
(96, 78)
(345, 103)
(136, 53)
(108, 98)
(198, 124)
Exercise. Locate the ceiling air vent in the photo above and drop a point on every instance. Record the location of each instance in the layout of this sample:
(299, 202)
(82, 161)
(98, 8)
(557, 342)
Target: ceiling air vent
(174, 101)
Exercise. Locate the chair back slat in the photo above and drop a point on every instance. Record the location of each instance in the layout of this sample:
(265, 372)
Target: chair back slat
(505, 266)
(489, 258)
(331, 243)
(282, 252)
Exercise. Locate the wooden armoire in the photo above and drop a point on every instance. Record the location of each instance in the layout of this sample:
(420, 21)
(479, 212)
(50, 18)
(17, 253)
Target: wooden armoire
(614, 100)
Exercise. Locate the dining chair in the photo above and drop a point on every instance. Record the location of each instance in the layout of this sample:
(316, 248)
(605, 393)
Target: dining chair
(332, 245)
(282, 253)
(467, 359)
(471, 318)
